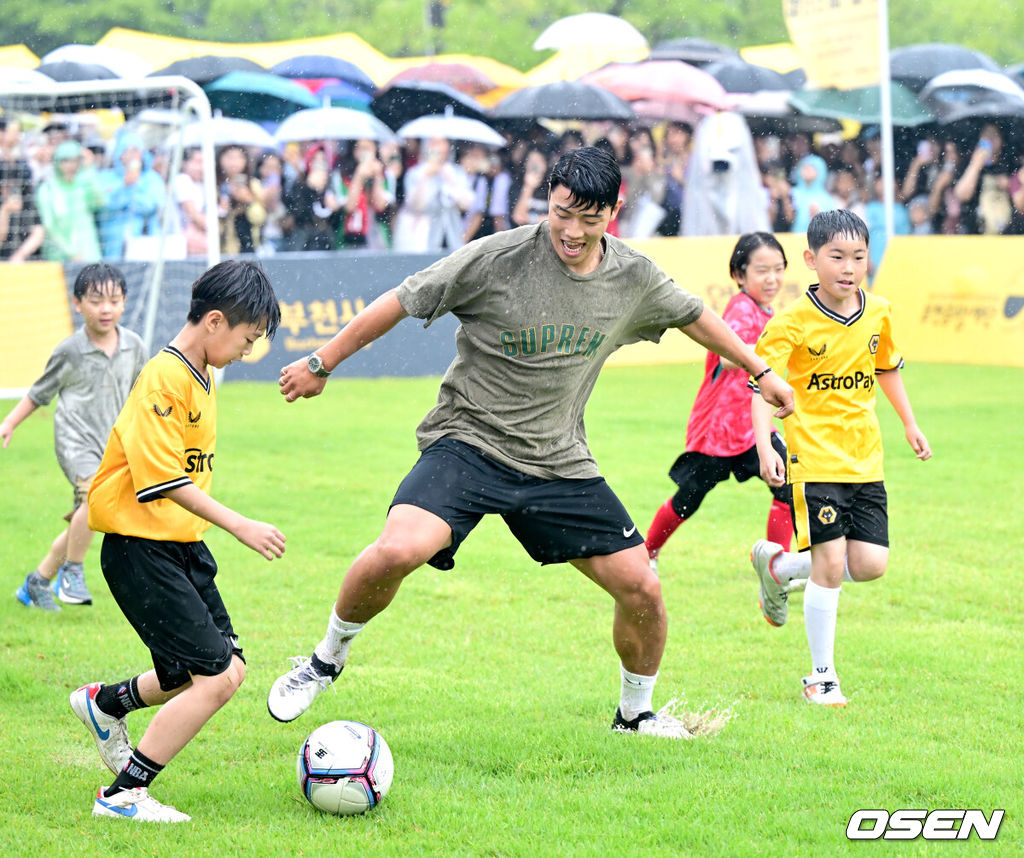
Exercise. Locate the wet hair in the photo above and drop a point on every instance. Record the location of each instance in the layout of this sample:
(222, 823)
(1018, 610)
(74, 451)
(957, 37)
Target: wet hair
(745, 247)
(839, 223)
(241, 290)
(93, 277)
(591, 176)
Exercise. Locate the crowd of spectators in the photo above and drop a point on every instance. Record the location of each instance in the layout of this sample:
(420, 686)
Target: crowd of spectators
(65, 198)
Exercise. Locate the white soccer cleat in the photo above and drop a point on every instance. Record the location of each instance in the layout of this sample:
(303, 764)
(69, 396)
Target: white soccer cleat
(137, 805)
(773, 595)
(823, 689)
(652, 724)
(293, 693)
(110, 733)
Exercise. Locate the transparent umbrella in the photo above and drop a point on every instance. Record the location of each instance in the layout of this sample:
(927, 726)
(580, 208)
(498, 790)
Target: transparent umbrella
(332, 123)
(453, 128)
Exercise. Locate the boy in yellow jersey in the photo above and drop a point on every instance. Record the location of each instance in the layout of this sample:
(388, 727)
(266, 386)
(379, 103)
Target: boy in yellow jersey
(150, 497)
(833, 344)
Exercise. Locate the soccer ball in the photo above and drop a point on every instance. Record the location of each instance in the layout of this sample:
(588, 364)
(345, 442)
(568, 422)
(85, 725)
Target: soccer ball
(345, 768)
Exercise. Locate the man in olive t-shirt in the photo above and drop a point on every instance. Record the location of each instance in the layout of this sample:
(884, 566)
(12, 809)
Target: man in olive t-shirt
(541, 308)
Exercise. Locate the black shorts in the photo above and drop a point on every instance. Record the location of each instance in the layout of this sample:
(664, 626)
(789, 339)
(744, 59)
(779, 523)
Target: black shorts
(697, 473)
(554, 520)
(827, 511)
(167, 592)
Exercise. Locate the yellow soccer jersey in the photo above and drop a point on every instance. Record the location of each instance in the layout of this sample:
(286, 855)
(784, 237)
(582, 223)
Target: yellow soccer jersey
(164, 437)
(831, 361)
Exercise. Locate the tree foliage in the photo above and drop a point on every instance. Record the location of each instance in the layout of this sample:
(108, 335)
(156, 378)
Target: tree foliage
(502, 29)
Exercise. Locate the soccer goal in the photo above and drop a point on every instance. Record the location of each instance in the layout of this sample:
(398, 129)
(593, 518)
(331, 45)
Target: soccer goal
(170, 114)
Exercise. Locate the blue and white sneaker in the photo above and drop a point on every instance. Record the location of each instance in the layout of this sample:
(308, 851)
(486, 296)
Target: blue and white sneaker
(137, 805)
(110, 734)
(69, 585)
(35, 592)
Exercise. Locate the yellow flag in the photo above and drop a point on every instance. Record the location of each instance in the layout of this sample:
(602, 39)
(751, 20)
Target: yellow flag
(837, 40)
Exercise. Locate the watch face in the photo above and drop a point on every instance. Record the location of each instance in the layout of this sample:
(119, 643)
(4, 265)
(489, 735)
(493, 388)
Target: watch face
(314, 363)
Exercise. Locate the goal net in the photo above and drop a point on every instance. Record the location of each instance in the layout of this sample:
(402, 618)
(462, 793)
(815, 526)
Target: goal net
(170, 115)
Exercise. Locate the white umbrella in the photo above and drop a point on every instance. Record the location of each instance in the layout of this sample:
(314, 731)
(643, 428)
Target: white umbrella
(332, 123)
(122, 63)
(228, 130)
(974, 79)
(18, 76)
(588, 29)
(452, 128)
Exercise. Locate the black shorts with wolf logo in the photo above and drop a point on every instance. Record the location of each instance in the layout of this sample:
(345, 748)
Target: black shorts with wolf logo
(554, 520)
(167, 592)
(826, 511)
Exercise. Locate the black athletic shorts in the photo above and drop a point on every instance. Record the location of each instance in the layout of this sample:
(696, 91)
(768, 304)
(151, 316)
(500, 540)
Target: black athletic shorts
(697, 473)
(554, 520)
(826, 511)
(167, 592)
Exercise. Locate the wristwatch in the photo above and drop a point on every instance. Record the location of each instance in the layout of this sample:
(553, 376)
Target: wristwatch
(316, 365)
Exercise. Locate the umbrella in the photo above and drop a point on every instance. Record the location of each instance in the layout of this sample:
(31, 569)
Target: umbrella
(319, 66)
(964, 100)
(692, 50)
(862, 104)
(209, 67)
(769, 112)
(228, 130)
(452, 127)
(403, 102)
(121, 63)
(259, 96)
(562, 100)
(915, 65)
(461, 76)
(341, 94)
(736, 75)
(16, 75)
(587, 29)
(332, 123)
(668, 89)
(66, 71)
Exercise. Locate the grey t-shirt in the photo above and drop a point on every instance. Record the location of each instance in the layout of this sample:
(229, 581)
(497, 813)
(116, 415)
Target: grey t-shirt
(533, 338)
(90, 387)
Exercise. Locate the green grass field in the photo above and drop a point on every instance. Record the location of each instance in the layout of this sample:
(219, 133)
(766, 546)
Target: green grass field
(494, 684)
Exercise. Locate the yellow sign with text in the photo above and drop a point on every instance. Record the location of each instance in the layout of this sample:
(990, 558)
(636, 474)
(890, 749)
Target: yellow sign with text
(837, 40)
(956, 300)
(36, 318)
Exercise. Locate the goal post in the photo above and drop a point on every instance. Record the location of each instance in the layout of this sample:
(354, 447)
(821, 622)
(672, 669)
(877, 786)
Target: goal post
(182, 104)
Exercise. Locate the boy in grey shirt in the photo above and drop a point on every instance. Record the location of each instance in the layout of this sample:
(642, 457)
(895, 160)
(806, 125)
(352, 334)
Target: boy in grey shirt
(90, 373)
(541, 308)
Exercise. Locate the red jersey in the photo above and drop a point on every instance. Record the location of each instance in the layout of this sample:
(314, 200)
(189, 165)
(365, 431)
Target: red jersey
(720, 423)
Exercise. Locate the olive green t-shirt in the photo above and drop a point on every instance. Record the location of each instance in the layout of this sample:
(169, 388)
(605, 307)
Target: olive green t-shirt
(532, 340)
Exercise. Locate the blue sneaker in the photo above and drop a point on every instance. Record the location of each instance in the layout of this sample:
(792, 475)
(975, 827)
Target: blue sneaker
(35, 592)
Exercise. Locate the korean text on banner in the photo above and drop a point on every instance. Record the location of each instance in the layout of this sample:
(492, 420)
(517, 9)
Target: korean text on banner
(837, 40)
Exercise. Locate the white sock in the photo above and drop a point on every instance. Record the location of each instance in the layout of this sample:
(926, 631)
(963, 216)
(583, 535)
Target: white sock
(821, 606)
(334, 647)
(791, 564)
(637, 693)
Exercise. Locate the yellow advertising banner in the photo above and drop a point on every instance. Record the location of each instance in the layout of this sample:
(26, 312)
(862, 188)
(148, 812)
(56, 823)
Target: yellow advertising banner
(837, 40)
(956, 300)
(36, 318)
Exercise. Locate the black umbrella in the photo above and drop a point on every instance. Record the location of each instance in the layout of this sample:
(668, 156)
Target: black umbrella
(740, 76)
(209, 68)
(562, 100)
(66, 71)
(405, 101)
(692, 50)
(915, 65)
(321, 67)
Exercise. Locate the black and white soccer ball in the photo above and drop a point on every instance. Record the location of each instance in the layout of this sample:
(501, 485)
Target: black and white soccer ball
(345, 768)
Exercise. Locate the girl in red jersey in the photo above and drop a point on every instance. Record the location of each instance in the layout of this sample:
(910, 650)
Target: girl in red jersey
(719, 434)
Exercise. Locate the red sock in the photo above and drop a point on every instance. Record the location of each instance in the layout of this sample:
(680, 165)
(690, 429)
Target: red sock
(780, 524)
(664, 525)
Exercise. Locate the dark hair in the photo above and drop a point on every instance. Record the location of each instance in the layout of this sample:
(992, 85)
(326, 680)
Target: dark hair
(92, 278)
(241, 290)
(745, 247)
(825, 226)
(591, 176)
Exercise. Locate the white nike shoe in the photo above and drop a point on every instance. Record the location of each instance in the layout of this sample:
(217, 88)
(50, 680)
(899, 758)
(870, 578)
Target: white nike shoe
(137, 805)
(773, 595)
(110, 733)
(293, 693)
